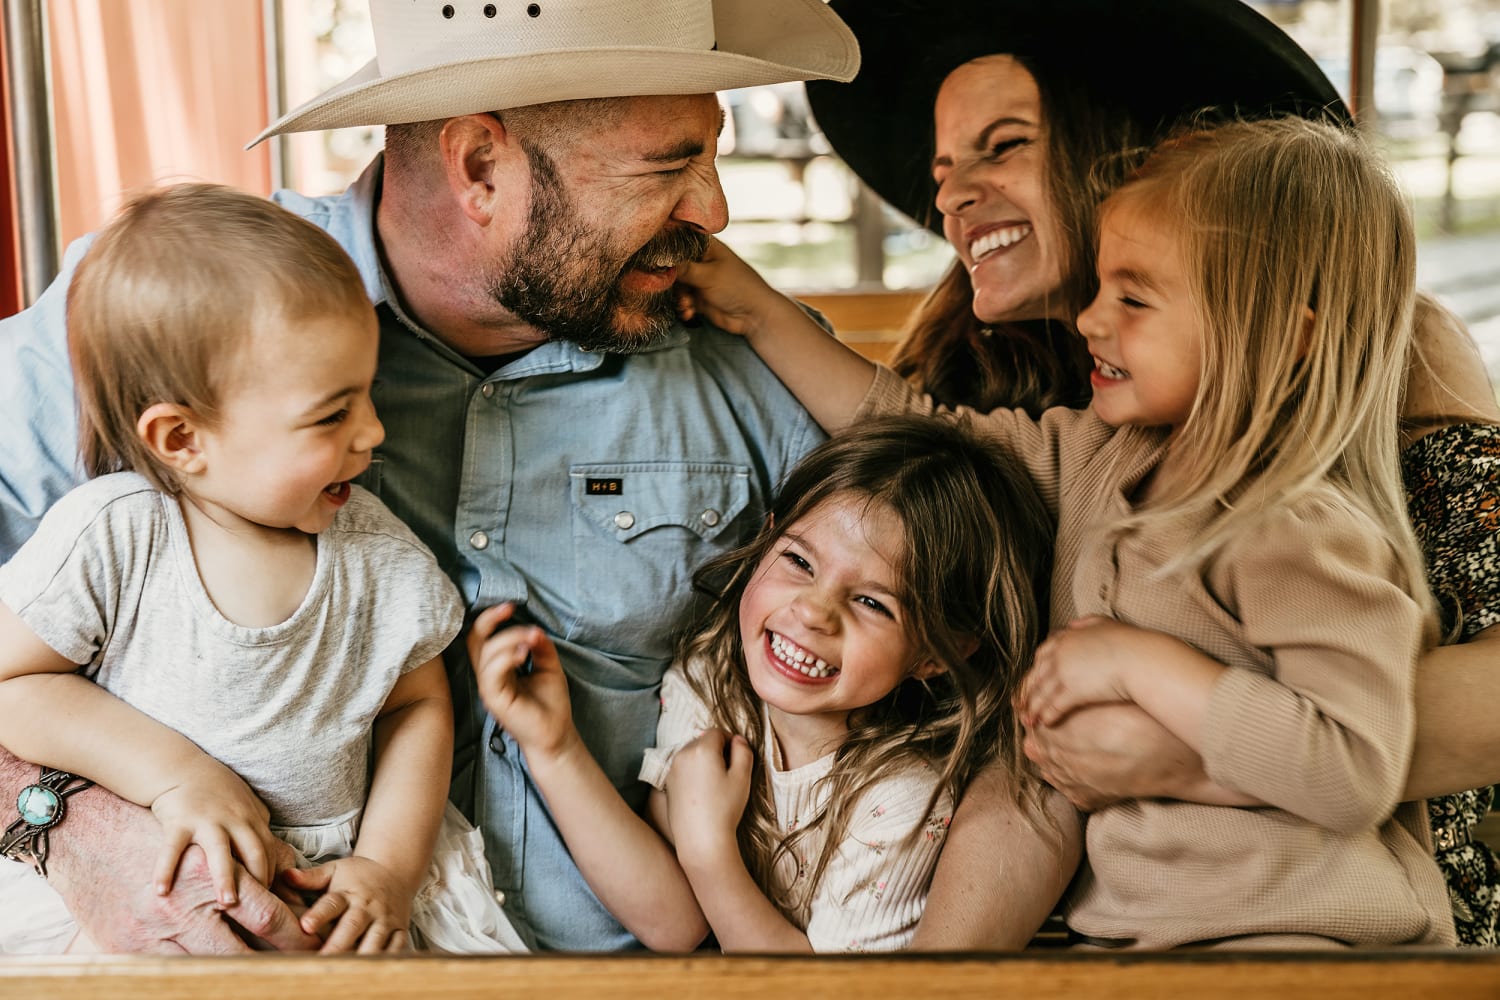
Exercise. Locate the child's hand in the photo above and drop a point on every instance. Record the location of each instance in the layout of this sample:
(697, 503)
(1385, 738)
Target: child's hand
(533, 707)
(362, 907)
(1087, 663)
(214, 808)
(728, 292)
(707, 790)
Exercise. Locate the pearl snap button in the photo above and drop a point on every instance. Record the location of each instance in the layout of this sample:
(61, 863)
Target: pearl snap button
(487, 390)
(624, 520)
(479, 540)
(709, 517)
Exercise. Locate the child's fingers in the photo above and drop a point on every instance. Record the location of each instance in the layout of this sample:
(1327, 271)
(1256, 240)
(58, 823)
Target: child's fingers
(252, 853)
(220, 851)
(329, 907)
(484, 626)
(166, 862)
(348, 931)
(377, 939)
(741, 757)
(316, 879)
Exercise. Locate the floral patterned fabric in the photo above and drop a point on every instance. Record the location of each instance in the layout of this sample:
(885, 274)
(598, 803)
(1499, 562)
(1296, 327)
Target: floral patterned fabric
(1454, 503)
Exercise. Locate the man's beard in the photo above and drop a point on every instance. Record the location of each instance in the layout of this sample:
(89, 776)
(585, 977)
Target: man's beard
(559, 276)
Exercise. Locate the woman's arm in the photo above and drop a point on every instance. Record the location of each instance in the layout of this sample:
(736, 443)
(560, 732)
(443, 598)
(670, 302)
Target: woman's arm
(1002, 869)
(1458, 732)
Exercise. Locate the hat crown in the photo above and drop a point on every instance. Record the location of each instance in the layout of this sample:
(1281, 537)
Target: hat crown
(415, 34)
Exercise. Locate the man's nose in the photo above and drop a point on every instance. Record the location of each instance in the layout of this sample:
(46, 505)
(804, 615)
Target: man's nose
(704, 206)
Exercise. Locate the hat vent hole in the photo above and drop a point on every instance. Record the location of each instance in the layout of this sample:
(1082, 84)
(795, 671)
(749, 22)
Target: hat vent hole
(448, 11)
(489, 10)
(534, 9)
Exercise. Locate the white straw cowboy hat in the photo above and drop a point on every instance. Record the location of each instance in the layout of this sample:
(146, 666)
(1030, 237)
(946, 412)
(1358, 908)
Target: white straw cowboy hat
(438, 59)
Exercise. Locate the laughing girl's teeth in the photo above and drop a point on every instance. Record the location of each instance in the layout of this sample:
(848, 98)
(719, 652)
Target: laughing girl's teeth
(998, 239)
(1110, 371)
(800, 659)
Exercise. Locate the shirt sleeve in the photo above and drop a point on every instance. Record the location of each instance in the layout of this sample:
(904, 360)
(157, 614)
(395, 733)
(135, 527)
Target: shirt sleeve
(65, 581)
(39, 447)
(683, 716)
(1328, 736)
(1454, 502)
(874, 889)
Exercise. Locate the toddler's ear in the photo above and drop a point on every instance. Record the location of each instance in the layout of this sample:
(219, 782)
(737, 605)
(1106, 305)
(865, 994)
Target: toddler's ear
(171, 433)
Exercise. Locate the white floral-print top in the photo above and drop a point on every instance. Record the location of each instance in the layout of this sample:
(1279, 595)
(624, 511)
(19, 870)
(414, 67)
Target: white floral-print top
(873, 890)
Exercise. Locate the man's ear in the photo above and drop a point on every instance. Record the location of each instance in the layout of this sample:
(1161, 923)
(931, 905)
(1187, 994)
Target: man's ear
(476, 149)
(173, 434)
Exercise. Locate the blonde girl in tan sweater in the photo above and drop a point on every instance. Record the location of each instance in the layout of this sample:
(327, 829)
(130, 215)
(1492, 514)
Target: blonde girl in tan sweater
(1232, 553)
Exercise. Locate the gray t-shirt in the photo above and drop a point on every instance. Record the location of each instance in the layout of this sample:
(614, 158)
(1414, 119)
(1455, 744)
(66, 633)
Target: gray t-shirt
(109, 582)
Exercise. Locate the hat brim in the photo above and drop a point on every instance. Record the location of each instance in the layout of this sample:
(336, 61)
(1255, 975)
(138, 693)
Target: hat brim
(777, 43)
(1159, 59)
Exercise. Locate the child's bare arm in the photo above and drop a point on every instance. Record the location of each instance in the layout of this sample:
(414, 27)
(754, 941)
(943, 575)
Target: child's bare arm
(706, 795)
(827, 377)
(632, 870)
(367, 897)
(57, 718)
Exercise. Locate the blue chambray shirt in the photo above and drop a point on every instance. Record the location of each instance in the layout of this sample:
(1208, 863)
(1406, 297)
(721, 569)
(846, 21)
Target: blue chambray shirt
(585, 487)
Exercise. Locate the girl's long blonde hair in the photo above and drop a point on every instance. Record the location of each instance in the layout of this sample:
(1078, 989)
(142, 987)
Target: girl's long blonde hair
(1300, 257)
(976, 555)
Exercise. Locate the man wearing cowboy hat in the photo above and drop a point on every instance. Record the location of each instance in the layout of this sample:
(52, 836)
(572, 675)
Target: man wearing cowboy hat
(552, 433)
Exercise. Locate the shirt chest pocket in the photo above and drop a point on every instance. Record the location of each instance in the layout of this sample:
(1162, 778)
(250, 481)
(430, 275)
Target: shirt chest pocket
(640, 530)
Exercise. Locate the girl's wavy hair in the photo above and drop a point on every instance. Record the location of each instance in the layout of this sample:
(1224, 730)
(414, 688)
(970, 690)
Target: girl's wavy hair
(169, 295)
(974, 567)
(1300, 261)
(947, 351)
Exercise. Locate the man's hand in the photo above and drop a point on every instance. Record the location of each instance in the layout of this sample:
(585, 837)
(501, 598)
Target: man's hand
(101, 862)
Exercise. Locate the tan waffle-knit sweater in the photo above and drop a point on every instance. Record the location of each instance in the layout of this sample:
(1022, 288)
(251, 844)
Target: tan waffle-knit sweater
(1316, 717)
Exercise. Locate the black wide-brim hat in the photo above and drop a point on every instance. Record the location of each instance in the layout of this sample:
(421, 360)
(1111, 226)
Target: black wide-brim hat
(1157, 59)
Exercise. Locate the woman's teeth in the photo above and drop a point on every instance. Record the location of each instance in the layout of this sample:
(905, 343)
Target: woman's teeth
(799, 659)
(997, 239)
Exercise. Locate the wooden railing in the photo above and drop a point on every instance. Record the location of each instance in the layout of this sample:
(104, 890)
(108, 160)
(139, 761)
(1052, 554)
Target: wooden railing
(1467, 975)
(869, 322)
